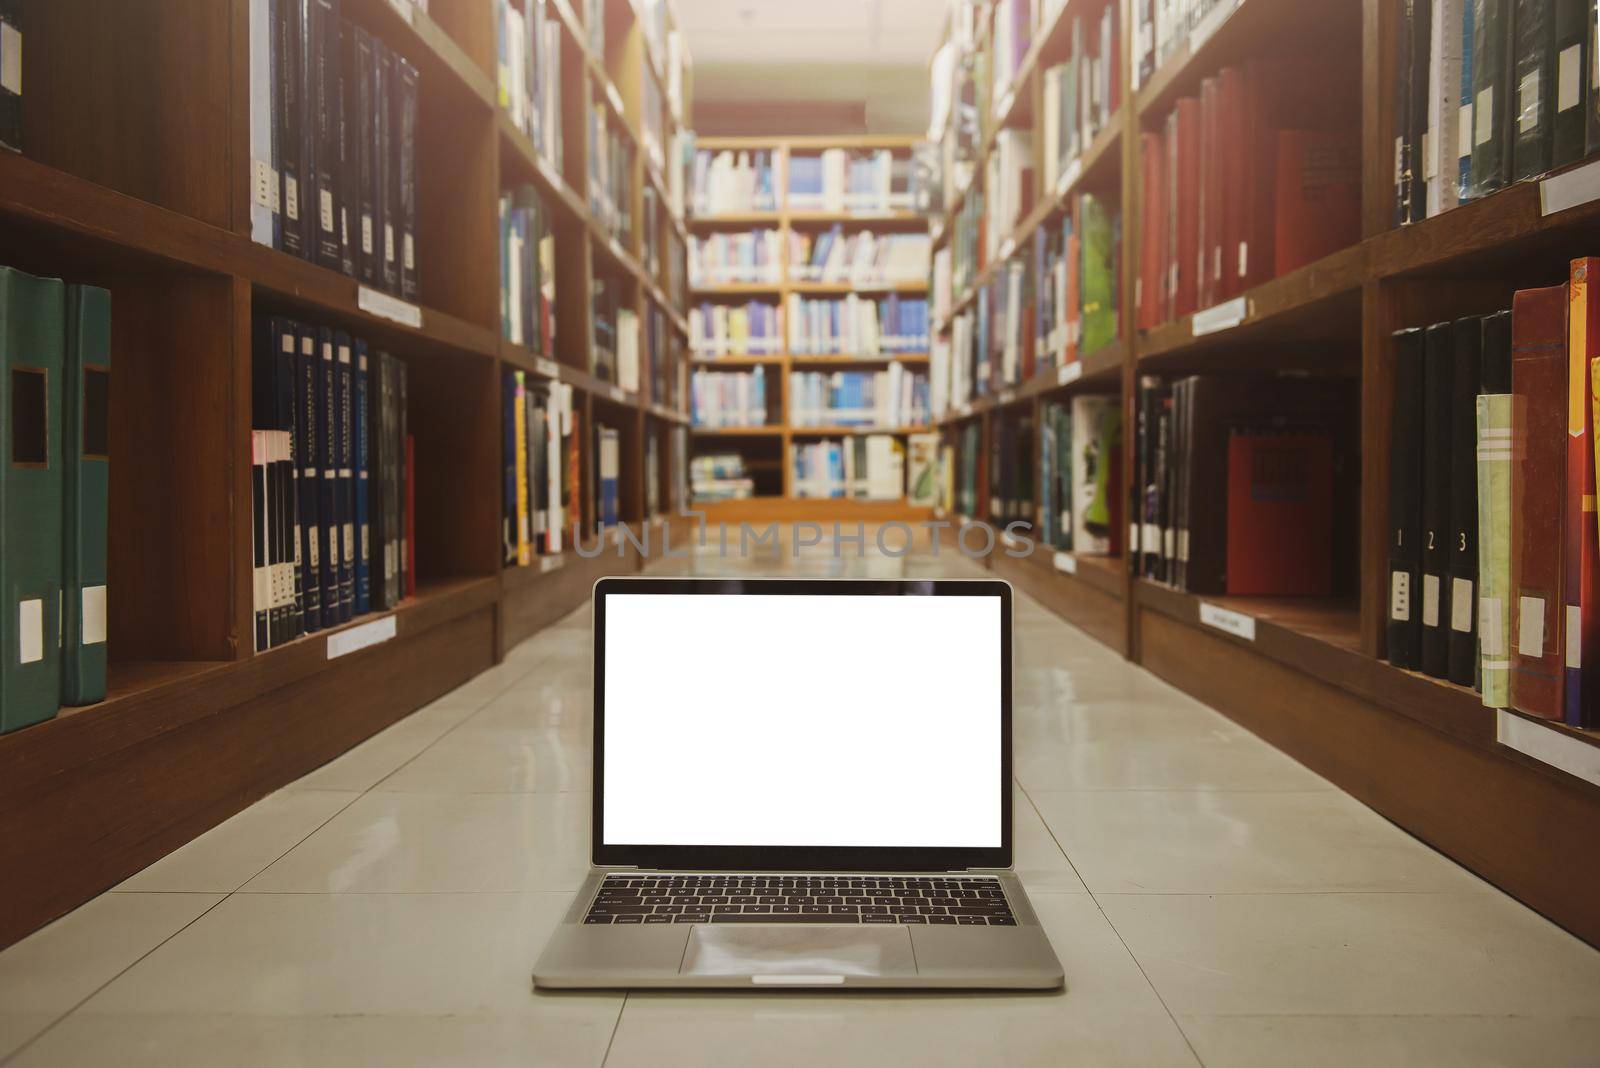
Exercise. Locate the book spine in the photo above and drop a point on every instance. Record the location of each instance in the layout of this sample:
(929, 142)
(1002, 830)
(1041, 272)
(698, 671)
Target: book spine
(364, 175)
(1463, 538)
(1494, 547)
(404, 495)
(288, 41)
(327, 453)
(1532, 109)
(308, 376)
(263, 171)
(1571, 58)
(523, 549)
(260, 582)
(1582, 538)
(411, 517)
(324, 89)
(1437, 396)
(361, 473)
(406, 149)
(286, 422)
(385, 198)
(1491, 46)
(1404, 628)
(344, 396)
(349, 177)
(1591, 78)
(11, 32)
(86, 392)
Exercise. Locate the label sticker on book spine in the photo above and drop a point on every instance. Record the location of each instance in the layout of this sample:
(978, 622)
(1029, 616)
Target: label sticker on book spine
(385, 306)
(94, 615)
(1530, 626)
(1464, 131)
(1491, 635)
(362, 637)
(30, 631)
(1225, 619)
(1574, 636)
(1430, 600)
(1528, 102)
(1066, 562)
(1400, 596)
(1569, 67)
(548, 564)
(263, 182)
(325, 210)
(1461, 605)
(1483, 108)
(291, 197)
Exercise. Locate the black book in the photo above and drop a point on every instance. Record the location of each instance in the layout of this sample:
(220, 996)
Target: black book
(406, 187)
(509, 528)
(384, 171)
(1404, 630)
(288, 402)
(1495, 359)
(1437, 472)
(308, 375)
(344, 463)
(1591, 78)
(1492, 93)
(290, 119)
(401, 432)
(533, 428)
(348, 185)
(1463, 547)
(11, 74)
(1572, 62)
(259, 521)
(327, 462)
(328, 151)
(308, 75)
(359, 174)
(380, 487)
(1420, 39)
(1533, 109)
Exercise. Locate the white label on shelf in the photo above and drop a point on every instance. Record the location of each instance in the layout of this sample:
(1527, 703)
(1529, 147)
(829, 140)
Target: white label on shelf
(1483, 108)
(1066, 562)
(404, 8)
(10, 58)
(1226, 619)
(618, 395)
(1548, 745)
(1224, 316)
(1490, 634)
(30, 630)
(1574, 636)
(1007, 396)
(1210, 24)
(1069, 177)
(1400, 596)
(362, 637)
(965, 410)
(548, 564)
(1562, 191)
(1007, 247)
(1528, 102)
(1069, 372)
(1430, 600)
(1461, 605)
(1569, 67)
(615, 97)
(546, 366)
(94, 615)
(1530, 626)
(385, 306)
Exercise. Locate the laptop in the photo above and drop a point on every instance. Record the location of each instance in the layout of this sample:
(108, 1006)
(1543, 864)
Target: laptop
(801, 784)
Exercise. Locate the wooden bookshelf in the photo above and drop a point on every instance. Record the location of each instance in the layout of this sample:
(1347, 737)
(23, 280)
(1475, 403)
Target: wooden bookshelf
(196, 725)
(786, 220)
(1309, 674)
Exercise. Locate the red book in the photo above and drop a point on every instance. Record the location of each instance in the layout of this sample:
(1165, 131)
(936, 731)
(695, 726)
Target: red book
(1280, 514)
(1318, 186)
(1582, 547)
(1233, 90)
(411, 516)
(1152, 247)
(1185, 227)
(1538, 499)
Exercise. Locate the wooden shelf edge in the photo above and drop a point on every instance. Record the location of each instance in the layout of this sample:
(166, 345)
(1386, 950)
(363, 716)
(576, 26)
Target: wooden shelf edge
(1100, 368)
(552, 183)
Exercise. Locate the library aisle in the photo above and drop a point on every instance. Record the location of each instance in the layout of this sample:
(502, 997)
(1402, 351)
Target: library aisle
(1212, 901)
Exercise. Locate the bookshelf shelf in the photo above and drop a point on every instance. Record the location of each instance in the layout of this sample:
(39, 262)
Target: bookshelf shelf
(851, 431)
(1097, 371)
(738, 431)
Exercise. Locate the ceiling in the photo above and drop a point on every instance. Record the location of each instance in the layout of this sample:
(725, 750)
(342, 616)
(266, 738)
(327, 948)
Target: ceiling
(871, 52)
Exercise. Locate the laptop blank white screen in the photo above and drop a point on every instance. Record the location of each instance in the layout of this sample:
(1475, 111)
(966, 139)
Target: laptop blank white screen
(802, 720)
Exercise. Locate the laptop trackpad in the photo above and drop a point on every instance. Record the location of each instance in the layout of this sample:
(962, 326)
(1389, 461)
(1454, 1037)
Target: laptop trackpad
(798, 951)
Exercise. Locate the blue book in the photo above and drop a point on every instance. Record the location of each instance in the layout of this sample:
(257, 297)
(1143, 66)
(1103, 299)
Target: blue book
(327, 464)
(343, 390)
(308, 420)
(362, 467)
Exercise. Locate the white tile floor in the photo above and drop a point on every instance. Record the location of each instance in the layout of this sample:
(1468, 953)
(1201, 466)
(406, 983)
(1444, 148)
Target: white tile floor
(1213, 902)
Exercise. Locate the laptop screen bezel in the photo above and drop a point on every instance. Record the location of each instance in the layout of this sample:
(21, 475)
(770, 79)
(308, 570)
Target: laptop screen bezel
(801, 858)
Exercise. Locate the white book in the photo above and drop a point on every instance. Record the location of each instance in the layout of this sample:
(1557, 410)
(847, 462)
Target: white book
(1440, 156)
(265, 199)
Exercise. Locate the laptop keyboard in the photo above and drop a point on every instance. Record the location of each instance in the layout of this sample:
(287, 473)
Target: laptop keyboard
(957, 901)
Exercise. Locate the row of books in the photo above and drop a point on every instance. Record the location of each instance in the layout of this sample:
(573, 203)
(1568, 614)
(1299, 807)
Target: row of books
(840, 180)
(333, 143)
(1080, 94)
(676, 483)
(527, 270)
(1487, 93)
(614, 335)
(1245, 484)
(861, 467)
(726, 182)
(528, 73)
(55, 353)
(749, 329)
(862, 258)
(720, 477)
(891, 398)
(610, 171)
(1080, 468)
(726, 399)
(751, 257)
(1494, 567)
(857, 326)
(1012, 33)
(664, 358)
(1256, 176)
(1161, 27)
(540, 458)
(333, 481)
(1008, 188)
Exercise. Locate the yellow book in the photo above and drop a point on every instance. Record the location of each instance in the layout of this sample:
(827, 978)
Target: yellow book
(520, 423)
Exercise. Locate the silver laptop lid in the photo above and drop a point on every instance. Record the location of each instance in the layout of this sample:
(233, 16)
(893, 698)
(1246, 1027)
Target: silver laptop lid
(781, 724)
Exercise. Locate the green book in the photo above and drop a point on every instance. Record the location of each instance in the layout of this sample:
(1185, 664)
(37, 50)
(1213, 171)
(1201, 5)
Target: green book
(86, 393)
(31, 320)
(1099, 275)
(1494, 546)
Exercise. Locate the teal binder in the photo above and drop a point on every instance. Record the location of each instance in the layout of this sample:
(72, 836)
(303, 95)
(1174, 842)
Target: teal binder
(31, 321)
(86, 474)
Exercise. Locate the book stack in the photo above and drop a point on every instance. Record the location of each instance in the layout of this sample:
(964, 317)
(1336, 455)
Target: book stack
(861, 259)
(55, 393)
(527, 271)
(720, 477)
(1080, 95)
(331, 481)
(539, 457)
(333, 140)
(755, 257)
(1011, 456)
(726, 183)
(528, 73)
(1488, 93)
(1494, 568)
(610, 172)
(845, 180)
(862, 467)
(749, 329)
(887, 399)
(1256, 176)
(857, 325)
(729, 399)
